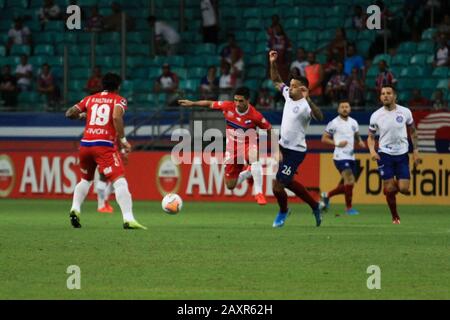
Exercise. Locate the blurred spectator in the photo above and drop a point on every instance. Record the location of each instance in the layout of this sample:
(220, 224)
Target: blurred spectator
(8, 87)
(300, 63)
(46, 86)
(168, 83)
(444, 27)
(410, 11)
(210, 21)
(167, 38)
(209, 85)
(18, 35)
(439, 102)
(49, 11)
(417, 101)
(280, 42)
(95, 21)
(338, 45)
(229, 48)
(113, 22)
(24, 74)
(94, 83)
(275, 23)
(329, 68)
(377, 46)
(441, 55)
(227, 82)
(336, 89)
(353, 60)
(384, 77)
(314, 74)
(359, 18)
(355, 87)
(237, 66)
(265, 99)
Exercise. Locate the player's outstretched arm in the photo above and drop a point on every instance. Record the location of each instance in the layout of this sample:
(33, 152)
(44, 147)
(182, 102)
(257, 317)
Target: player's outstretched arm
(371, 144)
(201, 103)
(316, 113)
(274, 74)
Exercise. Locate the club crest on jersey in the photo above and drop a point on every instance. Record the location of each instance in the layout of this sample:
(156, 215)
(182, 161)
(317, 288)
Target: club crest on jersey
(123, 102)
(296, 109)
(248, 121)
(399, 119)
(230, 114)
(354, 128)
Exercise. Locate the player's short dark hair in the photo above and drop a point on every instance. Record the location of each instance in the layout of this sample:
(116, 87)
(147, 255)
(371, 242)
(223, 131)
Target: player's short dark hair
(243, 91)
(343, 101)
(111, 81)
(302, 80)
(389, 86)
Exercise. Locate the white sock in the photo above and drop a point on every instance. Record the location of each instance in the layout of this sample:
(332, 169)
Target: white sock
(101, 194)
(123, 198)
(256, 170)
(243, 176)
(80, 193)
(108, 191)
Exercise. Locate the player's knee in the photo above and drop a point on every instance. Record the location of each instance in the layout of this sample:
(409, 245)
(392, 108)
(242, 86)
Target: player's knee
(403, 189)
(277, 186)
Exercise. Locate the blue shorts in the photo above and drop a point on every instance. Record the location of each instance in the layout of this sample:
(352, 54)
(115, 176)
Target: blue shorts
(394, 166)
(342, 165)
(289, 165)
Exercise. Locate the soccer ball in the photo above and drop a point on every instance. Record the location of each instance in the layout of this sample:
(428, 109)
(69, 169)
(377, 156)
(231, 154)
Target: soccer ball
(172, 203)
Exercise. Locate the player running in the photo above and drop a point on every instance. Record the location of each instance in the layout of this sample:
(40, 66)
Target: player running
(239, 114)
(391, 122)
(342, 132)
(104, 123)
(297, 113)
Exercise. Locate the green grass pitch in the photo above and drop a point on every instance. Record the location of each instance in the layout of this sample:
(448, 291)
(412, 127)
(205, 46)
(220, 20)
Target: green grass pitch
(222, 251)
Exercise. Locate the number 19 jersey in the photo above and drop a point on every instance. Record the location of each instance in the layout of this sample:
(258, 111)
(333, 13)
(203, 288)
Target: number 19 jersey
(99, 129)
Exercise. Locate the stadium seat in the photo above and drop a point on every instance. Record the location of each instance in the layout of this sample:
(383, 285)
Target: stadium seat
(442, 84)
(189, 85)
(413, 72)
(107, 50)
(294, 23)
(260, 60)
(205, 49)
(307, 35)
(333, 22)
(109, 38)
(253, 24)
(407, 47)
(253, 13)
(401, 60)
(363, 47)
(28, 97)
(138, 49)
(79, 61)
(43, 49)
(197, 73)
(404, 96)
(154, 72)
(260, 48)
(54, 26)
(425, 47)
(2, 51)
(314, 23)
(252, 84)
(428, 34)
(180, 72)
(76, 85)
(18, 50)
(385, 57)
(441, 72)
(79, 73)
(419, 58)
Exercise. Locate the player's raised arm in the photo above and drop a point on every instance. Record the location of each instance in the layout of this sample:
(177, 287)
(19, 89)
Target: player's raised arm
(201, 103)
(120, 130)
(274, 74)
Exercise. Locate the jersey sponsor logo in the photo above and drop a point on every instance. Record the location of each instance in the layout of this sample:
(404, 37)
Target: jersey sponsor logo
(107, 170)
(248, 121)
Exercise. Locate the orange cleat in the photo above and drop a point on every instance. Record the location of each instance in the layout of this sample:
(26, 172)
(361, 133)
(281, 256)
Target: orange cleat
(260, 199)
(106, 209)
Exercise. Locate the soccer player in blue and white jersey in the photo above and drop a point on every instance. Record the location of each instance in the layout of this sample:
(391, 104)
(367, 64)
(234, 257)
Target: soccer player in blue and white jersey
(298, 111)
(391, 123)
(342, 132)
